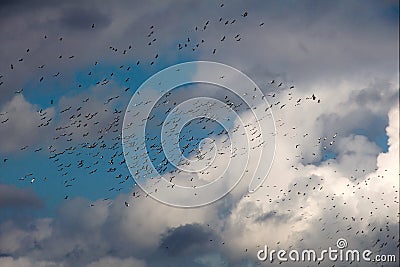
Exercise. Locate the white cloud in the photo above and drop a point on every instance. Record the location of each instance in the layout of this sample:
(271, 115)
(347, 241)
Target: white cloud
(314, 213)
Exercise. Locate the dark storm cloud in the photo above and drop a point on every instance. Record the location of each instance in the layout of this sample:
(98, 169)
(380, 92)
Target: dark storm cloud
(82, 19)
(186, 238)
(14, 197)
(11, 8)
(6, 5)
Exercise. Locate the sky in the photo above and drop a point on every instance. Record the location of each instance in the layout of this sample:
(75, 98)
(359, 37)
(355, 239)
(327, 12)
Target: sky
(82, 156)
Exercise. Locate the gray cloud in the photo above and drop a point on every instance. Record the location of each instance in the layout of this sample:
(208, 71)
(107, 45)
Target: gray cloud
(14, 197)
(272, 215)
(82, 19)
(187, 238)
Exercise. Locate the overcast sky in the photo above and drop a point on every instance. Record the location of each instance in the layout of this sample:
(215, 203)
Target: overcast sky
(68, 70)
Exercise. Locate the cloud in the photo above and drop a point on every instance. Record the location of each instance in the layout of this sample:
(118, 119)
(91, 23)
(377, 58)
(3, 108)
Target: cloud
(316, 205)
(18, 239)
(82, 19)
(183, 239)
(328, 204)
(14, 197)
(110, 261)
(22, 129)
(346, 54)
(25, 262)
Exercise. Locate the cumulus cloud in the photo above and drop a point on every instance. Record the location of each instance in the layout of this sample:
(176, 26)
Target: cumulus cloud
(328, 204)
(313, 202)
(329, 179)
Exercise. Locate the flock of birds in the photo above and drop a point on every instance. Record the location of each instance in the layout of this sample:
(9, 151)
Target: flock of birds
(87, 138)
